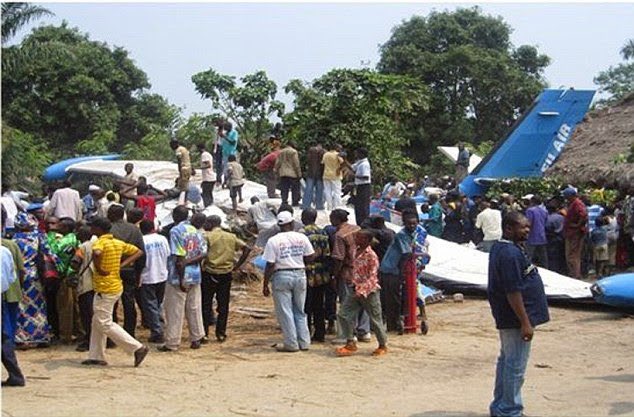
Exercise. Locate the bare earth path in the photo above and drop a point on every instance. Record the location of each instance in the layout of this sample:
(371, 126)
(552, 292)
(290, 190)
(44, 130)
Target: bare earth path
(582, 365)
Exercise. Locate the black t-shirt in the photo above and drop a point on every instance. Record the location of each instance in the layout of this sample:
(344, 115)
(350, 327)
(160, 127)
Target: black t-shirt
(511, 271)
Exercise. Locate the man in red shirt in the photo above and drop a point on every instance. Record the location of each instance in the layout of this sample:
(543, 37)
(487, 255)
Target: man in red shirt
(266, 165)
(575, 229)
(144, 201)
(364, 294)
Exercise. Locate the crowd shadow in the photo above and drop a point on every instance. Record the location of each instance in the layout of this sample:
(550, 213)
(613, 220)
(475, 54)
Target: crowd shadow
(615, 378)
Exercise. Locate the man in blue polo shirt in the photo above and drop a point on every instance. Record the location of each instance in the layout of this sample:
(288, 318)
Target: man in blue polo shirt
(518, 303)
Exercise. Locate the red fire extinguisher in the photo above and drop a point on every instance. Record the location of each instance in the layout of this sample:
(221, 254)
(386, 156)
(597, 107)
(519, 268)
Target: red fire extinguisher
(410, 297)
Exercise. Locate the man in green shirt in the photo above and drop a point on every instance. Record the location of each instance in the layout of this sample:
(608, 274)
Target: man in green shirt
(216, 275)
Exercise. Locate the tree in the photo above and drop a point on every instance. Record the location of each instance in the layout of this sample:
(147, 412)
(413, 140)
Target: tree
(618, 81)
(70, 100)
(249, 103)
(479, 83)
(17, 15)
(24, 157)
(358, 108)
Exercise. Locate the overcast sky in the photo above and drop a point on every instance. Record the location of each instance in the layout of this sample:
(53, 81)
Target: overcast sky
(173, 41)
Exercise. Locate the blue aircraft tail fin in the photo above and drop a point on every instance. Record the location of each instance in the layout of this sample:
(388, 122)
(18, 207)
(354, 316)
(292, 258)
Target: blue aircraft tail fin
(534, 141)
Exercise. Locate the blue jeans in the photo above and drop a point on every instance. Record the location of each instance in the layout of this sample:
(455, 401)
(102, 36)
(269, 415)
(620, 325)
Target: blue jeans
(152, 298)
(509, 374)
(289, 296)
(314, 192)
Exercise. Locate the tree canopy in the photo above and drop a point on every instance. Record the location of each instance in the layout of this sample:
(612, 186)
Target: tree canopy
(358, 108)
(618, 81)
(479, 82)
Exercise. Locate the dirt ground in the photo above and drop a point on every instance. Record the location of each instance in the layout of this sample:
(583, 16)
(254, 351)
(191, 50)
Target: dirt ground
(581, 365)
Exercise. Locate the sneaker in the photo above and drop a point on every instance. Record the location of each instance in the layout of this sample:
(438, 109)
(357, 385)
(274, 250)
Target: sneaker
(380, 351)
(331, 328)
(156, 339)
(221, 338)
(367, 337)
(286, 349)
(204, 340)
(348, 350)
(424, 328)
(164, 348)
(140, 354)
(195, 344)
(12, 383)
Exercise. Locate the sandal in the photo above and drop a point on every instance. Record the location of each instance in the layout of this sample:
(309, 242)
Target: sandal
(380, 351)
(347, 350)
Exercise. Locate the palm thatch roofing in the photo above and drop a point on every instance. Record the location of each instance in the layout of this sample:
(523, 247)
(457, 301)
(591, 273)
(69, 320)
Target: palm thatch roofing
(599, 147)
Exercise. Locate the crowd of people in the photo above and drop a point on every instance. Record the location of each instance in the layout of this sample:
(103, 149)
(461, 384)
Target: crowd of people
(73, 260)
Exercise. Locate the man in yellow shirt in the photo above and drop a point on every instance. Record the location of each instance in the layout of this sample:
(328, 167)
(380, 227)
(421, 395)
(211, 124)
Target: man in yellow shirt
(333, 163)
(217, 269)
(107, 284)
(184, 168)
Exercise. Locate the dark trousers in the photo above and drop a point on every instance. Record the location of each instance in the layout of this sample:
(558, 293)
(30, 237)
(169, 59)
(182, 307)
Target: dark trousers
(316, 311)
(292, 184)
(151, 301)
(208, 192)
(538, 254)
(128, 298)
(330, 304)
(270, 178)
(219, 286)
(362, 202)
(557, 257)
(9, 360)
(218, 163)
(50, 294)
(392, 301)
(85, 312)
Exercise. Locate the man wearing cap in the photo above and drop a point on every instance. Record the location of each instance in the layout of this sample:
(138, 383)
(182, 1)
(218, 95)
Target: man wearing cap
(184, 169)
(286, 255)
(575, 229)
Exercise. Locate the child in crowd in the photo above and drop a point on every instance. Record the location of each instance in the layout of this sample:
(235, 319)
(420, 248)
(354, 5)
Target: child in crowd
(235, 180)
(599, 239)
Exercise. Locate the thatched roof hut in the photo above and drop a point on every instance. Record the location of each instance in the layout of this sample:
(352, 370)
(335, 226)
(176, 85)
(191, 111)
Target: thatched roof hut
(599, 147)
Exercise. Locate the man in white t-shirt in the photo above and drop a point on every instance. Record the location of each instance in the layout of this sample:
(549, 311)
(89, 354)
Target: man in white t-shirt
(490, 221)
(153, 278)
(285, 255)
(208, 174)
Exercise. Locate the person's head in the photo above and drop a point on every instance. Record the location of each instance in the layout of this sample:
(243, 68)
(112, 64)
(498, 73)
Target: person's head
(460, 146)
(180, 213)
(100, 226)
(309, 216)
(228, 126)
(535, 200)
(232, 158)
(410, 220)
(200, 147)
(424, 208)
(361, 153)
(142, 189)
(363, 238)
(601, 221)
(376, 221)
(433, 198)
(484, 204)
(212, 222)
(285, 207)
(174, 144)
(66, 225)
(198, 220)
(146, 226)
(84, 234)
(67, 183)
(338, 217)
(285, 221)
(291, 144)
(515, 226)
(94, 190)
(569, 194)
(52, 224)
(135, 215)
(254, 200)
(129, 167)
(110, 196)
(116, 212)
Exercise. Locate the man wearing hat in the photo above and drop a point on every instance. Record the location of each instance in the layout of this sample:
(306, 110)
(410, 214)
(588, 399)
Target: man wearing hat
(575, 229)
(286, 255)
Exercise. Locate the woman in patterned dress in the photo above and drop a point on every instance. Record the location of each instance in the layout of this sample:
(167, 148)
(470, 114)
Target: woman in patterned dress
(33, 328)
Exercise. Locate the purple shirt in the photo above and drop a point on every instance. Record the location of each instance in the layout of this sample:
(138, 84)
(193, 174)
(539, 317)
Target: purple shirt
(537, 216)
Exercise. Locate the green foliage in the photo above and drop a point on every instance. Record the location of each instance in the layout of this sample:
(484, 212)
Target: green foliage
(69, 97)
(23, 159)
(153, 146)
(479, 83)
(17, 15)
(249, 104)
(99, 143)
(544, 187)
(358, 108)
(618, 81)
